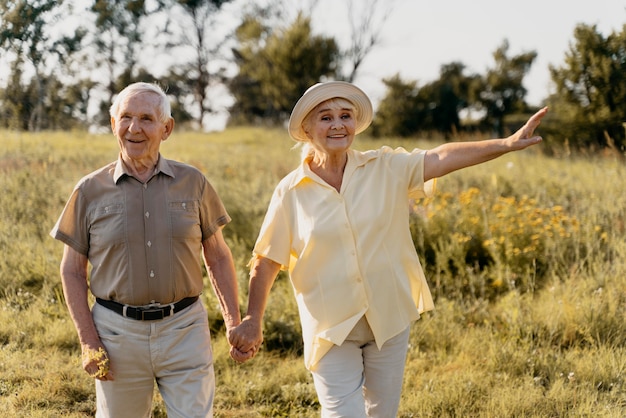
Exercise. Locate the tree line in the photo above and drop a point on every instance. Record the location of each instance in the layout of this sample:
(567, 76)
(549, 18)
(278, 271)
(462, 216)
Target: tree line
(66, 59)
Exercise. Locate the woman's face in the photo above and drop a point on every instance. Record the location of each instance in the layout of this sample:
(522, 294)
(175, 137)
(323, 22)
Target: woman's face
(331, 127)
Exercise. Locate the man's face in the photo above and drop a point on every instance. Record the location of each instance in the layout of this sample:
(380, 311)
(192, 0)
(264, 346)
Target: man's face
(139, 128)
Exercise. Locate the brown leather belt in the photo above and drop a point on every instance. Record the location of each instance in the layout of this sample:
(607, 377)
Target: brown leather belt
(147, 313)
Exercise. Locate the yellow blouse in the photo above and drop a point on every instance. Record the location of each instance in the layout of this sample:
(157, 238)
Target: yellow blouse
(350, 253)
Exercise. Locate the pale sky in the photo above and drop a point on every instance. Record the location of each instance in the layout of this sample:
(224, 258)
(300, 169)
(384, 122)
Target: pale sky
(421, 35)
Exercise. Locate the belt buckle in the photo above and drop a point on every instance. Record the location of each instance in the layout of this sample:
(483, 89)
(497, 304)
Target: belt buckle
(160, 311)
(154, 308)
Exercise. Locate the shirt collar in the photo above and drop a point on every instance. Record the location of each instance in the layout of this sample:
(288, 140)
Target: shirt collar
(163, 166)
(355, 159)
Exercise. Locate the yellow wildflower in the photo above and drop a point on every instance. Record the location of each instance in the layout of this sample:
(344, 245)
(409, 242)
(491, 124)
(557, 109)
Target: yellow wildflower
(101, 359)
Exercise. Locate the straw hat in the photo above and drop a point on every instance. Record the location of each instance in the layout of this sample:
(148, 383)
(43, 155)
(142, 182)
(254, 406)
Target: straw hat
(321, 92)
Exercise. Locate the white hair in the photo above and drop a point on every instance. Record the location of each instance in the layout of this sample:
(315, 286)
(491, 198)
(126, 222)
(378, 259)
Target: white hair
(164, 110)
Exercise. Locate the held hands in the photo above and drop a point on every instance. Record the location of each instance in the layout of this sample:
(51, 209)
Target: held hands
(524, 136)
(245, 340)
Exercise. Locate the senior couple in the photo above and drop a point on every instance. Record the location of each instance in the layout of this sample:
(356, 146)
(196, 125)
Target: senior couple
(338, 224)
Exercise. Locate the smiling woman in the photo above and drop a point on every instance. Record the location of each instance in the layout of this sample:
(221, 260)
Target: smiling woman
(339, 224)
(326, 120)
(330, 127)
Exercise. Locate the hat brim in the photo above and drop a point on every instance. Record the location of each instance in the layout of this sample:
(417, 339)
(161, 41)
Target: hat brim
(321, 92)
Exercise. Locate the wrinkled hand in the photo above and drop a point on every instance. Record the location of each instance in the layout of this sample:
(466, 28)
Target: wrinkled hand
(524, 136)
(245, 340)
(96, 362)
(241, 357)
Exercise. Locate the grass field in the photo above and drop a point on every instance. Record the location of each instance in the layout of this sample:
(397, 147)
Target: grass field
(525, 256)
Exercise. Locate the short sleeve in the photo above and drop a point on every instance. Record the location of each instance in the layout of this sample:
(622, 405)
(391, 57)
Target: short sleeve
(408, 167)
(213, 214)
(72, 226)
(274, 240)
(415, 167)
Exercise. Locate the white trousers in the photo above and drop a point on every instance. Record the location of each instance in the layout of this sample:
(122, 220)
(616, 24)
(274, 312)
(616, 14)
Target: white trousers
(356, 380)
(174, 352)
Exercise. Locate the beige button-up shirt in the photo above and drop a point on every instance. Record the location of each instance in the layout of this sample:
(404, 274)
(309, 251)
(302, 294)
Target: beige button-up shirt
(143, 240)
(350, 253)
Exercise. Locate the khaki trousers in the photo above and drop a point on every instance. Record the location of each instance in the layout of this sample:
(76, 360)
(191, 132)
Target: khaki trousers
(356, 380)
(174, 352)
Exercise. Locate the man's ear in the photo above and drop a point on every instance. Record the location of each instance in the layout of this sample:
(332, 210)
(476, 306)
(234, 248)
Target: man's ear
(113, 125)
(169, 127)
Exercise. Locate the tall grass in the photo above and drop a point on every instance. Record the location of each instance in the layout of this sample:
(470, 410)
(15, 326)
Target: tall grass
(524, 256)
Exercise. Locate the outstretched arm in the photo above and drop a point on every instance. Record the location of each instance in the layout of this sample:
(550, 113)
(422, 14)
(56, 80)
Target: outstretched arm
(453, 156)
(249, 335)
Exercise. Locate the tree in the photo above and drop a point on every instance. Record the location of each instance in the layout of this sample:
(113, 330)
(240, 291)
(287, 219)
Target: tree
(503, 92)
(30, 31)
(449, 95)
(23, 32)
(366, 24)
(276, 67)
(399, 113)
(117, 41)
(406, 109)
(15, 101)
(196, 24)
(591, 89)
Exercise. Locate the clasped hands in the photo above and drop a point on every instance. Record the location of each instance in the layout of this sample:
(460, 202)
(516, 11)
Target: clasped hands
(245, 340)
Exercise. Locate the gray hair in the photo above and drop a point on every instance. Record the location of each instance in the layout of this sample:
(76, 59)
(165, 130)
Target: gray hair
(164, 110)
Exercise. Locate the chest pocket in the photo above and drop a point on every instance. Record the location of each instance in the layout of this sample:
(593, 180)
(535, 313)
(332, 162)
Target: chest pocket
(107, 225)
(184, 216)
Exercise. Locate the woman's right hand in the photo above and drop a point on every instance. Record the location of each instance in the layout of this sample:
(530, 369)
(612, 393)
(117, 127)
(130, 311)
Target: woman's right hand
(245, 339)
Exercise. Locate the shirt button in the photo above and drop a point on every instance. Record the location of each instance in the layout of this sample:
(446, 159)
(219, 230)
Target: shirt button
(359, 279)
(145, 185)
(184, 205)
(149, 243)
(147, 214)
(151, 273)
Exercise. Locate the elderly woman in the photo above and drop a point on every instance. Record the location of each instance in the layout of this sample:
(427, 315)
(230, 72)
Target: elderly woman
(339, 224)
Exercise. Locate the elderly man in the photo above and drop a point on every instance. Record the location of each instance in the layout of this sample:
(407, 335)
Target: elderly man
(143, 222)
